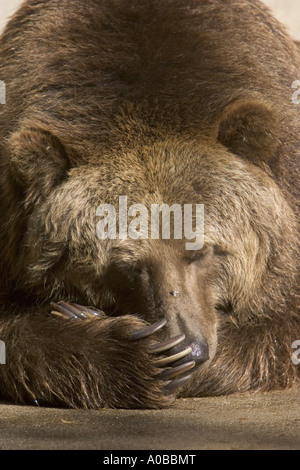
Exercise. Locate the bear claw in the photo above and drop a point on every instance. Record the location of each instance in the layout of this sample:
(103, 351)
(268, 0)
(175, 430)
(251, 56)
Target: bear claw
(172, 386)
(166, 345)
(168, 360)
(148, 330)
(73, 310)
(170, 374)
(89, 311)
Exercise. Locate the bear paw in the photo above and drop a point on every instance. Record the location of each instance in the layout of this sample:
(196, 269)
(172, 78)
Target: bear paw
(163, 361)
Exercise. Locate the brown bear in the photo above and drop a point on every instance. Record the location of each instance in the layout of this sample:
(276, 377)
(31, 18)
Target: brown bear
(174, 102)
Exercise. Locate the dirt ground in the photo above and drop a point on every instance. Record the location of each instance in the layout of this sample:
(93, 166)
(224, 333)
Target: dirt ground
(267, 421)
(238, 422)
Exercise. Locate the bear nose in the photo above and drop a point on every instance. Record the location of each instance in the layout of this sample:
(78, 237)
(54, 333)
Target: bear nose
(200, 351)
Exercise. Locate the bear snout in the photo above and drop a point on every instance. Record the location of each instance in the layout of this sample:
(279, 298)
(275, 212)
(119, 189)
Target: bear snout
(174, 291)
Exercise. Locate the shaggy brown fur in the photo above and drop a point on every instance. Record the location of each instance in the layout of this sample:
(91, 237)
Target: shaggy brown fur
(173, 101)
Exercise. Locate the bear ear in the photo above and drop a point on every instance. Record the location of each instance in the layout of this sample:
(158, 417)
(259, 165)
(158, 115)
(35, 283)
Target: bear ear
(251, 129)
(38, 162)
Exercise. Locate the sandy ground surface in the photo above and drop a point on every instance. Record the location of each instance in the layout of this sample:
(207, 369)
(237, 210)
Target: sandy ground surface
(269, 421)
(238, 422)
